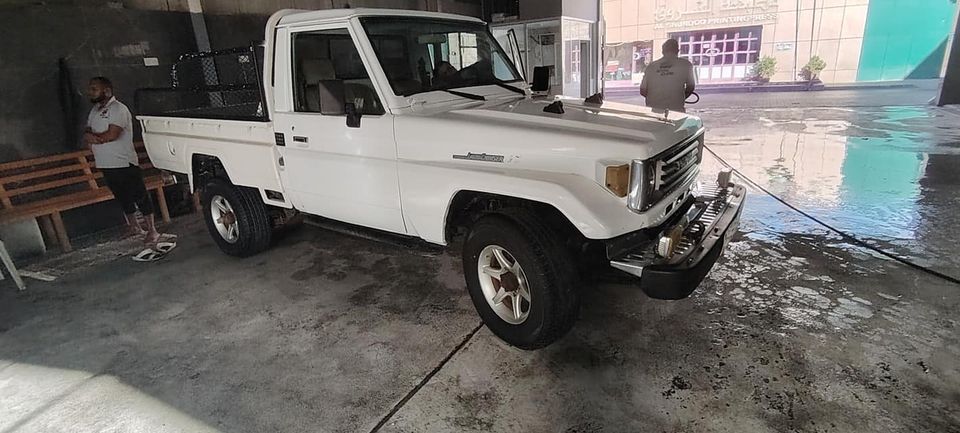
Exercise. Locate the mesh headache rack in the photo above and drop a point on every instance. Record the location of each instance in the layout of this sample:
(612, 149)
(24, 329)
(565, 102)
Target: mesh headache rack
(222, 84)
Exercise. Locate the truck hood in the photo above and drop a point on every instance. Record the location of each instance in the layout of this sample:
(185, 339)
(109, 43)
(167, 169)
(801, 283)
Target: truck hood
(653, 131)
(582, 138)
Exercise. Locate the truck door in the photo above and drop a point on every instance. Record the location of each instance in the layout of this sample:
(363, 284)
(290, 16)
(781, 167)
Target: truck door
(339, 171)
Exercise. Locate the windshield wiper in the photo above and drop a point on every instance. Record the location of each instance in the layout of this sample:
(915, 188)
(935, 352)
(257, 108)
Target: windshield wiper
(511, 88)
(465, 95)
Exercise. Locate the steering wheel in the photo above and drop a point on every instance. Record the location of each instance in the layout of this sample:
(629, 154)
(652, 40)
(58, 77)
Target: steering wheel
(694, 101)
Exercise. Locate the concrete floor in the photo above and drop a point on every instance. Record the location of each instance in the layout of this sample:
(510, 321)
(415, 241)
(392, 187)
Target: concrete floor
(794, 330)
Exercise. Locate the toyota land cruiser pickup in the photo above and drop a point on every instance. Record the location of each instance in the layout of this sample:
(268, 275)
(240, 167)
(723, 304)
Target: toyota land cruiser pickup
(420, 125)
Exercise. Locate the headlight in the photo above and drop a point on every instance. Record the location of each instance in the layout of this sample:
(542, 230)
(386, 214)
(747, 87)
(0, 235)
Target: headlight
(641, 186)
(618, 179)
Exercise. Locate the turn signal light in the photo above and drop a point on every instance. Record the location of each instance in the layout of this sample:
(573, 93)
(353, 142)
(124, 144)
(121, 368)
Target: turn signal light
(618, 179)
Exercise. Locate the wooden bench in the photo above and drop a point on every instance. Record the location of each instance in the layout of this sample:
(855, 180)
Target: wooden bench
(44, 187)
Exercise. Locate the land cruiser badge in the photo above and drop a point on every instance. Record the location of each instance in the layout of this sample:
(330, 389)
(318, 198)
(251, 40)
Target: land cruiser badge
(480, 157)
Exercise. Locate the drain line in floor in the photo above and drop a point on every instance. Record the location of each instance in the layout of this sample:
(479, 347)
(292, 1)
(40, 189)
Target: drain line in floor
(423, 382)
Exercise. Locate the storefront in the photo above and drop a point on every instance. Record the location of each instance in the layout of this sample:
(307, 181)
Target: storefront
(859, 40)
(625, 62)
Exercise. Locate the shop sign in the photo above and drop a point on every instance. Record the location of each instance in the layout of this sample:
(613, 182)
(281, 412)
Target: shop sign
(699, 13)
(783, 46)
(732, 5)
(720, 21)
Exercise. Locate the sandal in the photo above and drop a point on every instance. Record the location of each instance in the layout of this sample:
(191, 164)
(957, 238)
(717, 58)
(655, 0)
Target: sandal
(148, 255)
(165, 247)
(161, 237)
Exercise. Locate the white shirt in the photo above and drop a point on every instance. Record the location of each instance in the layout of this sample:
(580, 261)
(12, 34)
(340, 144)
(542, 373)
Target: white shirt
(665, 81)
(119, 153)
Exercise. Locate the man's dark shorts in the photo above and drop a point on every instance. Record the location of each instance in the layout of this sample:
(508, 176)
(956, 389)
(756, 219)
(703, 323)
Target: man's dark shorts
(128, 187)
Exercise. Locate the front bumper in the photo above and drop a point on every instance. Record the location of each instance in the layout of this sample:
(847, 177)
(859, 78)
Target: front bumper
(700, 234)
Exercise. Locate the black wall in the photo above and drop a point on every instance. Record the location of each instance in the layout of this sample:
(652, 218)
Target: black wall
(38, 117)
(41, 113)
(228, 31)
(36, 112)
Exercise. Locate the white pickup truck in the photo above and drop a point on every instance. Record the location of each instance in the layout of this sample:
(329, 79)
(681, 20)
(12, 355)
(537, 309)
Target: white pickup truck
(420, 125)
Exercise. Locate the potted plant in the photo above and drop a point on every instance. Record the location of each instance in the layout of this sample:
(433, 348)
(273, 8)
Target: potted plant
(811, 71)
(764, 69)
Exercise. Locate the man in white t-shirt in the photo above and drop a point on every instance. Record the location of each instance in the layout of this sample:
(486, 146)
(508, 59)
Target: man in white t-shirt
(109, 134)
(669, 80)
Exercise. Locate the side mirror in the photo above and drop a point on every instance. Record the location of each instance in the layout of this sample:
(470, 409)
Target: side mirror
(541, 79)
(353, 115)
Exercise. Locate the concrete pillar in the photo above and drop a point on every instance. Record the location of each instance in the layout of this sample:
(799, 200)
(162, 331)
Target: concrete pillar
(199, 25)
(203, 44)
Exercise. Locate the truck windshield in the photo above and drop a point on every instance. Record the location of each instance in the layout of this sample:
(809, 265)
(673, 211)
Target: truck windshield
(422, 54)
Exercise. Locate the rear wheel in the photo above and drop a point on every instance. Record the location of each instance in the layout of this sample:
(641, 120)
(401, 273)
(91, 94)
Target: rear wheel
(522, 281)
(236, 218)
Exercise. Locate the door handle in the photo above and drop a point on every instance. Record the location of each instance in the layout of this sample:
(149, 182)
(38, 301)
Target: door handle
(300, 141)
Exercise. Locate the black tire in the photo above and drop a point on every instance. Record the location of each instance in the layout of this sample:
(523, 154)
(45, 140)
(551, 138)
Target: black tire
(254, 231)
(550, 273)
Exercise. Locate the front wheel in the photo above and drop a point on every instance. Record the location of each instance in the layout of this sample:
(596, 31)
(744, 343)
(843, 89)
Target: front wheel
(236, 218)
(522, 281)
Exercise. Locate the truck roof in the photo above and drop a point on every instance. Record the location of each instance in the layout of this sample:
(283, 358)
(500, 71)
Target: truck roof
(296, 16)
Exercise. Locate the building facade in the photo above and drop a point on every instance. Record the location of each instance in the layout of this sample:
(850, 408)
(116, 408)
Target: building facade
(859, 40)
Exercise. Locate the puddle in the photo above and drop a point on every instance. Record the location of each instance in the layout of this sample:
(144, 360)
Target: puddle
(886, 175)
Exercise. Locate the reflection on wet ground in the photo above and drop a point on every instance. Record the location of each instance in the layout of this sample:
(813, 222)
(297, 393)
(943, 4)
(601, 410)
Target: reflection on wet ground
(886, 175)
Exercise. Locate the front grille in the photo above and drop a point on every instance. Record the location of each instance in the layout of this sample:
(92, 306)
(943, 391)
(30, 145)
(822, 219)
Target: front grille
(653, 179)
(677, 165)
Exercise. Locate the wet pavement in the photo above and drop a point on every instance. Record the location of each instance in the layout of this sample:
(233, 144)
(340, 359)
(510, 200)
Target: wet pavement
(888, 175)
(795, 329)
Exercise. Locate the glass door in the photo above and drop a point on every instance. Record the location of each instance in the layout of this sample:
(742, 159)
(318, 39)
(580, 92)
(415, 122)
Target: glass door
(577, 54)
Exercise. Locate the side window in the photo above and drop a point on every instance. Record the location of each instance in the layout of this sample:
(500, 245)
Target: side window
(328, 72)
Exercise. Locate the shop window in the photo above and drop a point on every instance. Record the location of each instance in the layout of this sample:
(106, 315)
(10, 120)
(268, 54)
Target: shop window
(720, 47)
(625, 61)
(722, 54)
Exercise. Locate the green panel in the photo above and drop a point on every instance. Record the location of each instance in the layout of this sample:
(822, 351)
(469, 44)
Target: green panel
(897, 59)
(871, 57)
(905, 39)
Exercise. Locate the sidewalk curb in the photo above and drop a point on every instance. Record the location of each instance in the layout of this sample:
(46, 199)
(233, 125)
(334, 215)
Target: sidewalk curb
(773, 88)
